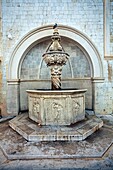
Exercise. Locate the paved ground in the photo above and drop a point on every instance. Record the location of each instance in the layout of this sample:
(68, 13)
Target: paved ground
(9, 139)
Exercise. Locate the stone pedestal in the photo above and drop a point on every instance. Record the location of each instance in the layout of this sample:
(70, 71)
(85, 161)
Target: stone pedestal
(60, 107)
(34, 133)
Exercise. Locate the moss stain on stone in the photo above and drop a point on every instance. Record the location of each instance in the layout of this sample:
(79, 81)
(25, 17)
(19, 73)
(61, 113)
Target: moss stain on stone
(110, 72)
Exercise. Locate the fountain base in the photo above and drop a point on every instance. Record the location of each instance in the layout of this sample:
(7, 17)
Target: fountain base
(76, 132)
(55, 116)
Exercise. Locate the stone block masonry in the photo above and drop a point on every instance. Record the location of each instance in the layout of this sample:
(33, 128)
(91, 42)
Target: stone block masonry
(1, 55)
(27, 15)
(18, 17)
(111, 27)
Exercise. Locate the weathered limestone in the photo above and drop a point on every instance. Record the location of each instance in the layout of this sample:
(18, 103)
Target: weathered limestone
(13, 97)
(89, 50)
(58, 107)
(95, 21)
(32, 132)
(55, 57)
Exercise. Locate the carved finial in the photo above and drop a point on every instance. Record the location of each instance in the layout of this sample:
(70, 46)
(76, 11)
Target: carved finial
(55, 46)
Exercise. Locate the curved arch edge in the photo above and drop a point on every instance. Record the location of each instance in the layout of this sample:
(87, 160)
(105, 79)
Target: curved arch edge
(45, 31)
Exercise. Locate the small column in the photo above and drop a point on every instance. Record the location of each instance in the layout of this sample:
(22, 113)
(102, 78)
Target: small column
(56, 77)
(13, 101)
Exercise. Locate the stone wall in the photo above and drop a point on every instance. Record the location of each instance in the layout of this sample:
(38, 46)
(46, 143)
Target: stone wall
(107, 87)
(1, 59)
(21, 16)
(111, 27)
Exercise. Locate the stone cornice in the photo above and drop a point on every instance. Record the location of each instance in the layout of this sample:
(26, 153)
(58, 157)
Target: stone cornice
(13, 82)
(107, 57)
(93, 79)
(98, 80)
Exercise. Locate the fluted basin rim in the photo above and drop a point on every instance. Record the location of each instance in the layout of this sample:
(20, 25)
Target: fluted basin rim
(64, 91)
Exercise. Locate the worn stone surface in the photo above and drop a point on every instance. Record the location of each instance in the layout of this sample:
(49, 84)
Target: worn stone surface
(34, 68)
(26, 16)
(45, 84)
(111, 27)
(15, 146)
(56, 107)
(31, 131)
(87, 17)
(96, 149)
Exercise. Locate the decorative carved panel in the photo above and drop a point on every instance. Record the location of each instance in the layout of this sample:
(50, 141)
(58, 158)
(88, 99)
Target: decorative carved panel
(55, 111)
(34, 109)
(75, 106)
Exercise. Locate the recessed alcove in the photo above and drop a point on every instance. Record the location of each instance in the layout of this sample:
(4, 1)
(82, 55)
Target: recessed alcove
(78, 65)
(27, 70)
(76, 73)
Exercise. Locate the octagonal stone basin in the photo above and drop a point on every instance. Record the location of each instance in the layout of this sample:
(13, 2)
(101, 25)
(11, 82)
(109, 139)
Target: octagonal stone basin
(56, 107)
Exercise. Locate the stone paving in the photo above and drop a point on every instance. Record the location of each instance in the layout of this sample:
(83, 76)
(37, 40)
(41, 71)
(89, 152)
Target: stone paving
(97, 151)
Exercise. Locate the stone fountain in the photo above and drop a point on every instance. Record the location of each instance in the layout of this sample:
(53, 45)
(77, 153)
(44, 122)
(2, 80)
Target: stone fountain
(57, 114)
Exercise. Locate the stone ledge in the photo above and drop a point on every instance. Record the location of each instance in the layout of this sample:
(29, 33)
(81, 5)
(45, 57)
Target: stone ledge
(32, 132)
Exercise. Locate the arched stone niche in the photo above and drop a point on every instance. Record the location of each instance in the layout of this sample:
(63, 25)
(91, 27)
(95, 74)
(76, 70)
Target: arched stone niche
(27, 71)
(78, 66)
